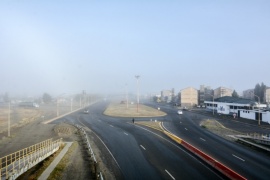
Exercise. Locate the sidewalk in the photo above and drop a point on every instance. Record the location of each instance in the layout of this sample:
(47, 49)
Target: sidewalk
(51, 167)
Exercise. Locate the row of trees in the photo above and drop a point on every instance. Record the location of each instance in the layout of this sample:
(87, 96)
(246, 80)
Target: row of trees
(259, 91)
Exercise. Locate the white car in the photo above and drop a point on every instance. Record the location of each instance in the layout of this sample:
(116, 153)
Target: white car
(179, 112)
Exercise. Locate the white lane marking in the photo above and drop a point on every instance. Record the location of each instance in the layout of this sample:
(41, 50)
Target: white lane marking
(102, 143)
(169, 174)
(180, 122)
(142, 147)
(126, 133)
(186, 129)
(238, 158)
(111, 125)
(202, 139)
(177, 146)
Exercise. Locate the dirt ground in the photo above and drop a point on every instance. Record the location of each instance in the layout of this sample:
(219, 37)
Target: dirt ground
(31, 131)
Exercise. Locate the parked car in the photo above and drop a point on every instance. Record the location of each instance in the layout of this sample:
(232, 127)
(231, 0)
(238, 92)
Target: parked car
(86, 111)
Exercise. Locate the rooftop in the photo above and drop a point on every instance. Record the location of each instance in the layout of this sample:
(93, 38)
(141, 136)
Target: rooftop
(229, 99)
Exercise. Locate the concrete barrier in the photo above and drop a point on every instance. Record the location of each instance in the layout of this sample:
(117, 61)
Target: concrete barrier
(206, 158)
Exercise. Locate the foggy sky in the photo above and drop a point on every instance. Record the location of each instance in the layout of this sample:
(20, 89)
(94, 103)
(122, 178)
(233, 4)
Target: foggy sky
(66, 47)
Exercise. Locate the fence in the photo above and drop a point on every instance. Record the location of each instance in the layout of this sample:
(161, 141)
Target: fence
(95, 164)
(15, 164)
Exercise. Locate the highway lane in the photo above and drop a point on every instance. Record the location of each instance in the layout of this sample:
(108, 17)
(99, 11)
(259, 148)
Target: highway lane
(249, 163)
(142, 153)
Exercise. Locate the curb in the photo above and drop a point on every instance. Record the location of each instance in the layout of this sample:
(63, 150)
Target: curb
(51, 167)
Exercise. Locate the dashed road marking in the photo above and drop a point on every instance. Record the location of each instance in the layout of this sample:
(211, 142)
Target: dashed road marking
(142, 147)
(202, 139)
(238, 158)
(169, 174)
(111, 125)
(126, 133)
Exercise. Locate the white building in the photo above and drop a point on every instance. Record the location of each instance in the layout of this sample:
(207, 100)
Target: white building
(244, 108)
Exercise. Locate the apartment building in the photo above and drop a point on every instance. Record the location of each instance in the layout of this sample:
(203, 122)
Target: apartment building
(205, 93)
(267, 95)
(166, 95)
(248, 94)
(222, 91)
(188, 97)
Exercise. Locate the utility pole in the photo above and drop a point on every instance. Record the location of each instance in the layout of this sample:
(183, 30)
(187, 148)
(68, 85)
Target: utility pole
(138, 100)
(126, 96)
(9, 119)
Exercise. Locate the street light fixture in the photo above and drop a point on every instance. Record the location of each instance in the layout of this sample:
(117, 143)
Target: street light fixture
(138, 100)
(126, 96)
(9, 119)
(259, 123)
(213, 102)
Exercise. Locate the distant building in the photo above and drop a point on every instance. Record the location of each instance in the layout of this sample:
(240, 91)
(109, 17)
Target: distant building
(166, 95)
(205, 93)
(244, 108)
(267, 95)
(248, 94)
(222, 91)
(189, 97)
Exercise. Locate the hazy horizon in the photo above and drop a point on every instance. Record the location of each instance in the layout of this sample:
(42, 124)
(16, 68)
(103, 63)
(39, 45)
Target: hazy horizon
(61, 47)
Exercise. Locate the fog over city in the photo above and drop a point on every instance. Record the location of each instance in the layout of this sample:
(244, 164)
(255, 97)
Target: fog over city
(69, 46)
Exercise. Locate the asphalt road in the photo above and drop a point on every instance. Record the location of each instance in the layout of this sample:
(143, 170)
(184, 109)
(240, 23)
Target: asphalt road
(250, 163)
(143, 153)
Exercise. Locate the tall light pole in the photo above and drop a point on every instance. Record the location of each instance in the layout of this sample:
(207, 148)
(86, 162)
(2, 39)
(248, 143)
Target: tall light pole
(138, 100)
(126, 96)
(213, 102)
(71, 104)
(57, 104)
(9, 119)
(259, 123)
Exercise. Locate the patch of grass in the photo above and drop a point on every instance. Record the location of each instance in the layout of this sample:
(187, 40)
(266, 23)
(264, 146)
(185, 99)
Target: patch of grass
(151, 124)
(121, 110)
(59, 169)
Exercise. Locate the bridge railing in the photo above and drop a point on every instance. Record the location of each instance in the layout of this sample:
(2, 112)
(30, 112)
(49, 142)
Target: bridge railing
(15, 164)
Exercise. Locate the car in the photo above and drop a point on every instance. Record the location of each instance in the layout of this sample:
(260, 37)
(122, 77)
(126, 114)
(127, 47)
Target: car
(86, 111)
(179, 112)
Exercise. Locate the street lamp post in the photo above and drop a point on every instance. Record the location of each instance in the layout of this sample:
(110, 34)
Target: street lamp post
(259, 123)
(138, 100)
(9, 119)
(213, 103)
(126, 96)
(71, 104)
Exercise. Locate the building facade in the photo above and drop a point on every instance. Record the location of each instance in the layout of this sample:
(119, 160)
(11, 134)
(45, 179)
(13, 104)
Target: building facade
(267, 95)
(240, 107)
(166, 95)
(222, 91)
(189, 97)
(205, 93)
(248, 94)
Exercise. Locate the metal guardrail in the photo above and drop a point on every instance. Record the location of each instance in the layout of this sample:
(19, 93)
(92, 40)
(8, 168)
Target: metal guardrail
(15, 164)
(98, 174)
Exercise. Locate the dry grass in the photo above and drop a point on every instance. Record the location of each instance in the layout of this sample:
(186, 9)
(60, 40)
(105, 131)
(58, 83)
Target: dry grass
(121, 110)
(217, 128)
(19, 115)
(59, 169)
(152, 124)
